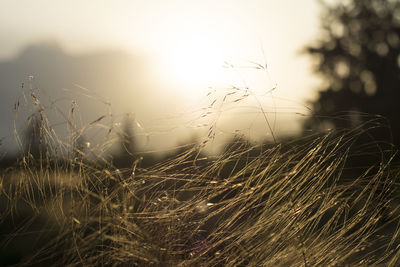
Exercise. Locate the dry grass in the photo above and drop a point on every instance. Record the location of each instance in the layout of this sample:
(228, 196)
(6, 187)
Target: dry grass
(309, 202)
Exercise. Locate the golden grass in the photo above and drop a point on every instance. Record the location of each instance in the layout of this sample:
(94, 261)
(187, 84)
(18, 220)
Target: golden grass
(309, 202)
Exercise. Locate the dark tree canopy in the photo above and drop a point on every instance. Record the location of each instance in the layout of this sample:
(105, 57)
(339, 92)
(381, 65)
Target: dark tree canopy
(358, 56)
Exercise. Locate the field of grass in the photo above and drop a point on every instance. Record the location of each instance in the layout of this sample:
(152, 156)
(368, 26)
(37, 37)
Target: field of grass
(324, 200)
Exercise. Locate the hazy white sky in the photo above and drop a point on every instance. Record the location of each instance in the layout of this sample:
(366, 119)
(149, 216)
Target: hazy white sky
(187, 41)
(235, 29)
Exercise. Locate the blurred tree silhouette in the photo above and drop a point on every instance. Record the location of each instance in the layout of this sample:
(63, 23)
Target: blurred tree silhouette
(79, 148)
(127, 152)
(33, 141)
(358, 56)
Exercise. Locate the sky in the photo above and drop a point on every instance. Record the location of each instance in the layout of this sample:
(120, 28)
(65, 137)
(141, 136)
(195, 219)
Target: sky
(191, 46)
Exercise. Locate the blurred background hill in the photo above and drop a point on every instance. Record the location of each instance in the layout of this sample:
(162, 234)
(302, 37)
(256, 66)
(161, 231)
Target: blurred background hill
(92, 81)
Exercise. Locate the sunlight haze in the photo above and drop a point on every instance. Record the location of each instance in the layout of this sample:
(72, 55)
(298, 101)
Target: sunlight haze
(186, 45)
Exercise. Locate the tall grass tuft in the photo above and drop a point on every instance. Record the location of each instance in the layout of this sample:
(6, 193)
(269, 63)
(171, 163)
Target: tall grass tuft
(323, 200)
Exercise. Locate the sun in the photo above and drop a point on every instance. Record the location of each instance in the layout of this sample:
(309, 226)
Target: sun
(195, 60)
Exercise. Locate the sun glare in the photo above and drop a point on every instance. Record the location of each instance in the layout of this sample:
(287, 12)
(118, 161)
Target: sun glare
(195, 61)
